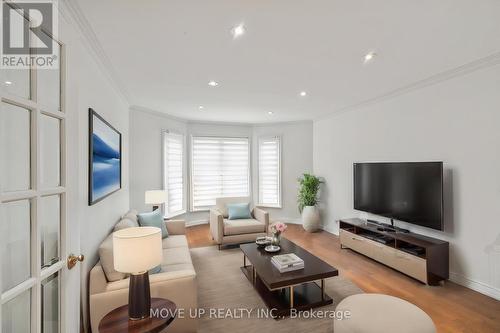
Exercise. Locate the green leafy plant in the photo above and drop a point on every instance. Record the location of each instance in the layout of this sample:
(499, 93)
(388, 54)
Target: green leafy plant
(308, 191)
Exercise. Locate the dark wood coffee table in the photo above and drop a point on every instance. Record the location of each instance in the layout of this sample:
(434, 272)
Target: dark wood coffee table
(291, 290)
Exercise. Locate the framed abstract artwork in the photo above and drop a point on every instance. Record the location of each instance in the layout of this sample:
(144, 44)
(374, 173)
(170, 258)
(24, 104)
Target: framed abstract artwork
(105, 158)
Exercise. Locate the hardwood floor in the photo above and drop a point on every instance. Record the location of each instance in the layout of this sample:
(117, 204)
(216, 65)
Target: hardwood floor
(453, 308)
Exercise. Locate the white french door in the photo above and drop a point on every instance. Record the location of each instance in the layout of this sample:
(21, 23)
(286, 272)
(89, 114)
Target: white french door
(33, 201)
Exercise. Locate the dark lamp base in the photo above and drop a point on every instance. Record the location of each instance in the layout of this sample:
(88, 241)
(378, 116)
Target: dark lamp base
(139, 297)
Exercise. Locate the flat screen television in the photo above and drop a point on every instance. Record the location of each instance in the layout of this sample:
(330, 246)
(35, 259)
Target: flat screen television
(406, 191)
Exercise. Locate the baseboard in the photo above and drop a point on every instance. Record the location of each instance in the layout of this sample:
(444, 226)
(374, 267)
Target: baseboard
(286, 220)
(480, 287)
(330, 230)
(194, 223)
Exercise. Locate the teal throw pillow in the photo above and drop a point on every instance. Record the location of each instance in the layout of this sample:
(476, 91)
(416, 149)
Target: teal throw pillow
(239, 211)
(155, 270)
(153, 219)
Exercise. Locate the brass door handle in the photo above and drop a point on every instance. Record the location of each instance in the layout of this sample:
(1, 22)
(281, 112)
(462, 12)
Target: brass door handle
(72, 260)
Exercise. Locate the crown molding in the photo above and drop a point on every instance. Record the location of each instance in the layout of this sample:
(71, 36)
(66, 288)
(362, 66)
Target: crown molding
(187, 121)
(144, 109)
(71, 11)
(485, 62)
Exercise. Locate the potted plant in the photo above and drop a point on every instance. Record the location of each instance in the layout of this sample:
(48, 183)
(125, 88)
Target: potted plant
(307, 200)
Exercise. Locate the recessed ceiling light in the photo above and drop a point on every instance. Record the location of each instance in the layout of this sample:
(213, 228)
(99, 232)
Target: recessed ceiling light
(369, 57)
(213, 83)
(201, 107)
(238, 30)
(270, 113)
(303, 93)
(8, 83)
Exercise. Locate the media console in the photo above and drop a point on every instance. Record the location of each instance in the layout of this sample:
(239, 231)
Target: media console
(423, 258)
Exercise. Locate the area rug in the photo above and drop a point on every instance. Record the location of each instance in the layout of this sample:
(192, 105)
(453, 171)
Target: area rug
(223, 287)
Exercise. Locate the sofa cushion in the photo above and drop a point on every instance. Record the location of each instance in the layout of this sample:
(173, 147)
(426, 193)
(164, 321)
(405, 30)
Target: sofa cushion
(153, 219)
(238, 211)
(106, 256)
(178, 273)
(221, 203)
(124, 224)
(243, 226)
(176, 255)
(177, 268)
(131, 215)
(174, 241)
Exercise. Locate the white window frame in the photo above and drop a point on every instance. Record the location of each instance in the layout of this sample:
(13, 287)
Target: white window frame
(191, 176)
(280, 173)
(184, 177)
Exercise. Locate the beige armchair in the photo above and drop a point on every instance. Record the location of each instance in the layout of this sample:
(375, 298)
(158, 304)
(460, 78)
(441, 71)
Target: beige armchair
(226, 231)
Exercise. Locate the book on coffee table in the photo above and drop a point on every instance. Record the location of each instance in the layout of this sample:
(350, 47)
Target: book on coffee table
(287, 262)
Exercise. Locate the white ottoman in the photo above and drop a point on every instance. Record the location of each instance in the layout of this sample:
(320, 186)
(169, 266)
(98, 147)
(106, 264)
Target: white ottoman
(376, 313)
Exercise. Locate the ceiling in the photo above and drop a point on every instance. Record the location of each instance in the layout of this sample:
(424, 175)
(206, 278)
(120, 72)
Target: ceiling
(164, 53)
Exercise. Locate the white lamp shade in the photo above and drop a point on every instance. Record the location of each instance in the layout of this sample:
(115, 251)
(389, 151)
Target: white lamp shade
(155, 197)
(136, 250)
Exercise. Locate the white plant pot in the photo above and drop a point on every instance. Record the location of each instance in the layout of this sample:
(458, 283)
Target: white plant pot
(310, 219)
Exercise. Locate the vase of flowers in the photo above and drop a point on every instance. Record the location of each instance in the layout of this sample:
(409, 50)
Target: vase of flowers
(276, 229)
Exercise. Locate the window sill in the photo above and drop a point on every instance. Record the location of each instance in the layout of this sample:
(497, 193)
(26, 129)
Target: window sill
(202, 209)
(170, 216)
(268, 206)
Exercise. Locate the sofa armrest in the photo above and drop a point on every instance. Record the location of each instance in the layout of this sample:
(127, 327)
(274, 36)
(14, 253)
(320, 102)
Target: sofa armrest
(261, 216)
(97, 280)
(216, 225)
(154, 279)
(176, 227)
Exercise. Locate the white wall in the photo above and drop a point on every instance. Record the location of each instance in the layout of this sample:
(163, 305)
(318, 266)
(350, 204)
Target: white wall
(86, 87)
(456, 121)
(296, 159)
(146, 155)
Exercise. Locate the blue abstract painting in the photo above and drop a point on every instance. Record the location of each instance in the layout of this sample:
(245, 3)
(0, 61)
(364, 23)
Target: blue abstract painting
(105, 157)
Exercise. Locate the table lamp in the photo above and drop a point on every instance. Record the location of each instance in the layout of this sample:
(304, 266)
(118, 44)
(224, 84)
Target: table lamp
(136, 250)
(155, 198)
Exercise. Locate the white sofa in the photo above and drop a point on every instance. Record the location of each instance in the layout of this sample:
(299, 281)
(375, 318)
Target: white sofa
(176, 281)
(226, 231)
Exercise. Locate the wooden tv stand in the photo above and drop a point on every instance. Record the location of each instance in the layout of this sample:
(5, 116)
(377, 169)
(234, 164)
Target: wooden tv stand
(430, 265)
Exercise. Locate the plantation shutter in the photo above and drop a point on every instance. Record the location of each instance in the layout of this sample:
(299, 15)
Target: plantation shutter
(220, 168)
(270, 171)
(174, 173)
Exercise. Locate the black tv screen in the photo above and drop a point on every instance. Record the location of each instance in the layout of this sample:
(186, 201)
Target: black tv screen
(406, 191)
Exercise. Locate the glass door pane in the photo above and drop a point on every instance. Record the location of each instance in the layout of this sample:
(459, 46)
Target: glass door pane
(15, 243)
(49, 83)
(50, 219)
(16, 314)
(16, 81)
(14, 148)
(50, 304)
(50, 151)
